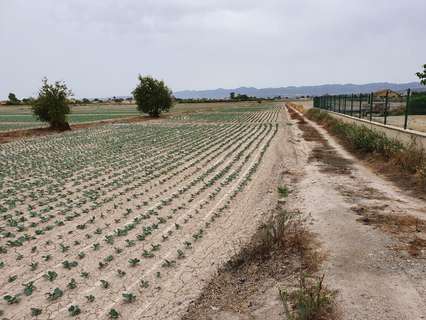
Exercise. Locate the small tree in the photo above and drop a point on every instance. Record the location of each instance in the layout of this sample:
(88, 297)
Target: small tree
(13, 100)
(51, 105)
(422, 75)
(152, 96)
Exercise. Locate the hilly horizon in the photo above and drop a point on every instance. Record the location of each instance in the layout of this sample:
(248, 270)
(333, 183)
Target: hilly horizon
(297, 91)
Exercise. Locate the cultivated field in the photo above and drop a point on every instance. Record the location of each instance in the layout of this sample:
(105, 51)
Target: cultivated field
(20, 117)
(128, 219)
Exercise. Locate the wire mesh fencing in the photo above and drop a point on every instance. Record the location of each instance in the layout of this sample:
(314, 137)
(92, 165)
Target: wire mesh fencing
(406, 110)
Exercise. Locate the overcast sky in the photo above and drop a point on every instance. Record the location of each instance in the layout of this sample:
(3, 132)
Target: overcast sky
(99, 46)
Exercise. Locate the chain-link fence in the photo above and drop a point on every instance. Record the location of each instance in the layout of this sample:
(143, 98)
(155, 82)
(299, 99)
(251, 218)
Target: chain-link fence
(405, 110)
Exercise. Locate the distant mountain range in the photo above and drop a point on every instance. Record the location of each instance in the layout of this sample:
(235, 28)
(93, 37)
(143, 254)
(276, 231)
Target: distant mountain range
(293, 91)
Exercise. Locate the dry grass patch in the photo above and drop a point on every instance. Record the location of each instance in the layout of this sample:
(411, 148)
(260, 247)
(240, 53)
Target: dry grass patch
(410, 231)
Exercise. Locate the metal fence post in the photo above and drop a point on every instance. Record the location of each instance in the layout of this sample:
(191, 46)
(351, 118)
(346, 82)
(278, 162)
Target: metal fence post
(340, 102)
(371, 106)
(360, 106)
(386, 107)
(406, 109)
(344, 104)
(352, 105)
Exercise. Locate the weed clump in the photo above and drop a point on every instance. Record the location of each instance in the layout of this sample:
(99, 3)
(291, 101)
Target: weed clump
(310, 301)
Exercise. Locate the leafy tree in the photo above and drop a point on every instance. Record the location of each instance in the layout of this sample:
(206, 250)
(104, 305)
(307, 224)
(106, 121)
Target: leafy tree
(152, 96)
(52, 104)
(13, 100)
(422, 75)
(232, 95)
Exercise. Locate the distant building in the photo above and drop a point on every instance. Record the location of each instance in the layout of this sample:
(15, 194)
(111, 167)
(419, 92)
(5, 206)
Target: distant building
(382, 94)
(3, 103)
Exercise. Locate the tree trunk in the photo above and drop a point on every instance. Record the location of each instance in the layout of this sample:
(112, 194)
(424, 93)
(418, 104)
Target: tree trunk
(61, 126)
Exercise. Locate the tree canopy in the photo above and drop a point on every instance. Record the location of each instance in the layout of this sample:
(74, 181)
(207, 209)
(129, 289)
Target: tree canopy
(52, 104)
(152, 96)
(422, 75)
(13, 100)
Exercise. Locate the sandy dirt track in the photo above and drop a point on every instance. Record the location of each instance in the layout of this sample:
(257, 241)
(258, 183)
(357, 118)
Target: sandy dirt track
(374, 273)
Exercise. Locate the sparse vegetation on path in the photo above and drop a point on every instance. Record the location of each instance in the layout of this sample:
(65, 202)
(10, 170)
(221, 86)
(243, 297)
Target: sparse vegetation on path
(391, 155)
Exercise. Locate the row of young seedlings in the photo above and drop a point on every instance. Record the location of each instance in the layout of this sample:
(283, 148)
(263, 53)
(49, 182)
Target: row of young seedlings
(209, 220)
(169, 169)
(100, 169)
(17, 242)
(147, 151)
(77, 179)
(65, 248)
(167, 263)
(234, 116)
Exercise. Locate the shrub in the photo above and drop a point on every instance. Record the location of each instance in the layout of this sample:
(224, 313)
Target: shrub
(152, 96)
(12, 99)
(310, 301)
(52, 106)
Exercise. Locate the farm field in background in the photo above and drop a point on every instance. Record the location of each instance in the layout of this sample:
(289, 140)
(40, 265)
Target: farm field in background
(99, 218)
(20, 117)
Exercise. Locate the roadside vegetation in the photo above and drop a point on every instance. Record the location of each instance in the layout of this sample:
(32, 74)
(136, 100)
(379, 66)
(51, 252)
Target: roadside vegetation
(310, 301)
(410, 159)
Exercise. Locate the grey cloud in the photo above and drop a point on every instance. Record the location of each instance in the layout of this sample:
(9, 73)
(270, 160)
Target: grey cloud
(100, 46)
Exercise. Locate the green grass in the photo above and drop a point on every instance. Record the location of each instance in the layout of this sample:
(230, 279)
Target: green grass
(283, 191)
